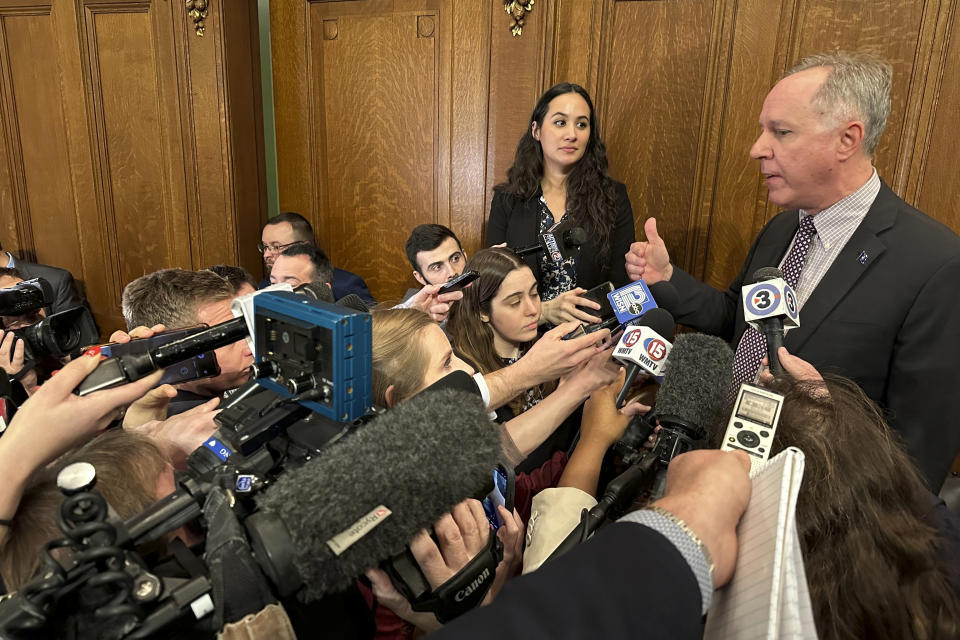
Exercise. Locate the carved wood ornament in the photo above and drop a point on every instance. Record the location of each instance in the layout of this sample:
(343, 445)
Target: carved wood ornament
(517, 9)
(197, 11)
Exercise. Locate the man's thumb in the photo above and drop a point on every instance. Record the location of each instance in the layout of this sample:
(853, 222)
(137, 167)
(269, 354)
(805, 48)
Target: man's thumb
(650, 229)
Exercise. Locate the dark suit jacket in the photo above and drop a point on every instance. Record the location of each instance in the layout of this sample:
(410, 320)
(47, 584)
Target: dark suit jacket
(64, 288)
(886, 313)
(626, 582)
(516, 221)
(344, 283)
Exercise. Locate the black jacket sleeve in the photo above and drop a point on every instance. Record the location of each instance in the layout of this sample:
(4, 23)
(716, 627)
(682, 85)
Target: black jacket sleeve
(622, 236)
(627, 582)
(497, 222)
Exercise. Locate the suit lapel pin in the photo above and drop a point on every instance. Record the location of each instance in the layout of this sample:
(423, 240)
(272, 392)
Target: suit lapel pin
(862, 258)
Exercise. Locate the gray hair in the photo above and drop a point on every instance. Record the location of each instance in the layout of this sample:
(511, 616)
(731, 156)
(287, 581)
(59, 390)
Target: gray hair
(857, 86)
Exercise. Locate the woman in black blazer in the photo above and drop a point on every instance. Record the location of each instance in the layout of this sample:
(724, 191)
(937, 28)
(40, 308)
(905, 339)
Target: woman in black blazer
(560, 169)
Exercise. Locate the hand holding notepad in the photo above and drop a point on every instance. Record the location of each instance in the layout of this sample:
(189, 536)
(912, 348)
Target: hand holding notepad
(767, 597)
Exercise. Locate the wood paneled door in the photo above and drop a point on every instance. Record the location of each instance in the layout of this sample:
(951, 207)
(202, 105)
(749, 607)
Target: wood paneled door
(129, 143)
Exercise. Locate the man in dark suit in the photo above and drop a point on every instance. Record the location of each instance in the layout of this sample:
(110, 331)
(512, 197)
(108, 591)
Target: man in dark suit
(288, 229)
(65, 291)
(877, 278)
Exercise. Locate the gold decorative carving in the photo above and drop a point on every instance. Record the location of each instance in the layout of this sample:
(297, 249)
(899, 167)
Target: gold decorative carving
(197, 11)
(517, 9)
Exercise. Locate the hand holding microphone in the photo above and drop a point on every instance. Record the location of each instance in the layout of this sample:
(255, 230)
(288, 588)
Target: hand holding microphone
(770, 306)
(567, 306)
(644, 347)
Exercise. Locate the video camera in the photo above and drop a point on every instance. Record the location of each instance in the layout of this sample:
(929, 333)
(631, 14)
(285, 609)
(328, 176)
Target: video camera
(311, 386)
(57, 335)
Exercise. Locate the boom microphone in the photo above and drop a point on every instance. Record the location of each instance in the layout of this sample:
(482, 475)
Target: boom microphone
(362, 500)
(644, 346)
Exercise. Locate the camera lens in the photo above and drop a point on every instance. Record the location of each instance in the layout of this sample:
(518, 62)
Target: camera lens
(748, 438)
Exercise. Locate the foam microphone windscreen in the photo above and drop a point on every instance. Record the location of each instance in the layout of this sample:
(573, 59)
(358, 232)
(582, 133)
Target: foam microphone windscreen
(660, 320)
(418, 460)
(766, 273)
(574, 237)
(665, 294)
(315, 291)
(696, 380)
(355, 302)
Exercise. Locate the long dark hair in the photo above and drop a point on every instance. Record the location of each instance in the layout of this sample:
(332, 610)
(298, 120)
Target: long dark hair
(871, 552)
(470, 335)
(591, 197)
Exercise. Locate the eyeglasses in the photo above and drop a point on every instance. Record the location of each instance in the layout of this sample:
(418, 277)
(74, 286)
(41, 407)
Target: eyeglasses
(276, 248)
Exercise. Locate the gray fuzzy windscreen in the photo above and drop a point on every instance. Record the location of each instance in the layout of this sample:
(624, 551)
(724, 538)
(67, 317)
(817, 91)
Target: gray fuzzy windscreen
(418, 459)
(696, 380)
(766, 273)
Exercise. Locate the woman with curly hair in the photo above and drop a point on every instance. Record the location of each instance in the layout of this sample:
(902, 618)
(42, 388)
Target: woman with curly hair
(560, 171)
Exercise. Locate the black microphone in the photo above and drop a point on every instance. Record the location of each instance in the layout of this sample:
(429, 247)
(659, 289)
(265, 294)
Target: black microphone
(643, 347)
(692, 398)
(315, 291)
(330, 516)
(664, 295)
(355, 302)
(690, 406)
(557, 248)
(768, 301)
(133, 366)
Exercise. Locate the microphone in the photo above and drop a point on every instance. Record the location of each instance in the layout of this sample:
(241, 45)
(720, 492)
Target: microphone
(130, 367)
(770, 306)
(362, 499)
(691, 402)
(355, 302)
(643, 346)
(558, 244)
(315, 291)
(692, 398)
(629, 303)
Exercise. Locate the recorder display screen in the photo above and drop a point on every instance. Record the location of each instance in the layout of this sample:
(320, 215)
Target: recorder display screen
(757, 408)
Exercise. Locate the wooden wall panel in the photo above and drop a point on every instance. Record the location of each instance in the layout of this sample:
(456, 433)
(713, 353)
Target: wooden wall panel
(377, 131)
(469, 108)
(35, 134)
(517, 78)
(737, 210)
(141, 189)
(650, 102)
(120, 151)
(935, 178)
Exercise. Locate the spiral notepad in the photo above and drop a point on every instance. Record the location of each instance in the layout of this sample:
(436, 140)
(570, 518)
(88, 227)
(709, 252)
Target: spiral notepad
(768, 596)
